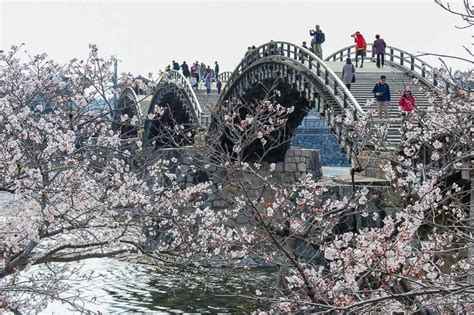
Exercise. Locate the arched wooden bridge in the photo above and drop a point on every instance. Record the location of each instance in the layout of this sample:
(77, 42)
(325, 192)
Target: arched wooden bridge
(315, 79)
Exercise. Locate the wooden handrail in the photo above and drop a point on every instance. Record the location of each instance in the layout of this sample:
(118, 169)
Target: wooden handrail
(305, 59)
(398, 58)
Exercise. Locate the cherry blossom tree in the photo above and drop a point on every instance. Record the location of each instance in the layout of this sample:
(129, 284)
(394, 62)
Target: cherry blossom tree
(403, 248)
(77, 190)
(81, 191)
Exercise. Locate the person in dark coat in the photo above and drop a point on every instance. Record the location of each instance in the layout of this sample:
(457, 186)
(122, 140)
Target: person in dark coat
(216, 70)
(381, 92)
(185, 69)
(318, 39)
(379, 50)
(219, 86)
(175, 66)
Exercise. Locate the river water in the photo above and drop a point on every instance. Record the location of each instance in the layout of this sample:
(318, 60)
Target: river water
(125, 286)
(120, 286)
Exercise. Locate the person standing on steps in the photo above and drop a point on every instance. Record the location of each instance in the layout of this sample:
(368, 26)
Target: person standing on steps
(379, 50)
(198, 71)
(202, 71)
(208, 81)
(318, 39)
(193, 70)
(407, 101)
(175, 66)
(361, 47)
(304, 56)
(194, 83)
(216, 70)
(348, 73)
(381, 92)
(219, 86)
(185, 69)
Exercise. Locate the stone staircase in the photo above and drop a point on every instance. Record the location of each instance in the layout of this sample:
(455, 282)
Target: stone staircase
(367, 77)
(207, 102)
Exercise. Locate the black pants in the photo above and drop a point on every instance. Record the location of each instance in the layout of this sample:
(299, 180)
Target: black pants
(360, 53)
(380, 59)
(348, 86)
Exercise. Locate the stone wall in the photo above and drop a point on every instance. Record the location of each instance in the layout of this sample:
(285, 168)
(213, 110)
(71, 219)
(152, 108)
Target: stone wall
(373, 163)
(297, 162)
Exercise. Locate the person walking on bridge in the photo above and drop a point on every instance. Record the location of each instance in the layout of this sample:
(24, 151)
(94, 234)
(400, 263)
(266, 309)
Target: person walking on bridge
(379, 50)
(361, 47)
(318, 39)
(381, 92)
(348, 73)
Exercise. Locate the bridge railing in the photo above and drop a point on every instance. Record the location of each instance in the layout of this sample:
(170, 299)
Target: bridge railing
(308, 61)
(123, 105)
(399, 58)
(184, 83)
(224, 76)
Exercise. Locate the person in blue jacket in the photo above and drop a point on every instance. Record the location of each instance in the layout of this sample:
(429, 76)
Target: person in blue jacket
(381, 92)
(318, 39)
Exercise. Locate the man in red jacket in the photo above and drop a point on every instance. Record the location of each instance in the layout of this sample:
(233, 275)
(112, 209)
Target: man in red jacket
(361, 47)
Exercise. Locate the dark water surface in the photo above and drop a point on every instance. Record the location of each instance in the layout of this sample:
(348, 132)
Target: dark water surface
(121, 286)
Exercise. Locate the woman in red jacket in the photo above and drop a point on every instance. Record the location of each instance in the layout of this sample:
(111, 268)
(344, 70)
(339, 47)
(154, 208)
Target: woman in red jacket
(361, 47)
(407, 101)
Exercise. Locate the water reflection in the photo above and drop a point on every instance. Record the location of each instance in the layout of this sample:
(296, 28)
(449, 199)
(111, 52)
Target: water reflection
(124, 286)
(121, 286)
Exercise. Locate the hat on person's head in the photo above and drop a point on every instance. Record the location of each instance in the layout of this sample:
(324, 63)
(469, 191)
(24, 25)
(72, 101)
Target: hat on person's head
(357, 32)
(382, 77)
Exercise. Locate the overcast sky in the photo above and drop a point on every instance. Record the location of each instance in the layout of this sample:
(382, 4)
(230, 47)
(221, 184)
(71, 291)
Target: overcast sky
(147, 35)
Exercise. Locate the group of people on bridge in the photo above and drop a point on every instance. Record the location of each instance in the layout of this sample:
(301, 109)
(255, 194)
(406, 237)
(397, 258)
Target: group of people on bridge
(199, 72)
(378, 47)
(381, 89)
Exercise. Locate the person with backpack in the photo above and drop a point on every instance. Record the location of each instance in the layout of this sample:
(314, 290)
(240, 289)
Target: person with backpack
(318, 39)
(379, 50)
(381, 93)
(348, 73)
(361, 47)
